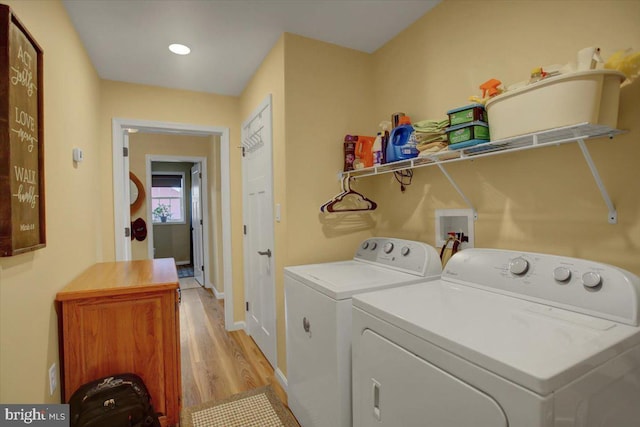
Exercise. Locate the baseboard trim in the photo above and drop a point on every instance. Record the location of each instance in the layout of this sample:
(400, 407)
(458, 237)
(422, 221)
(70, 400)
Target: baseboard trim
(237, 326)
(281, 379)
(218, 295)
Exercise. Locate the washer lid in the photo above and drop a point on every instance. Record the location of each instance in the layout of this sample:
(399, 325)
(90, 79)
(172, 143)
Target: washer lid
(539, 347)
(343, 279)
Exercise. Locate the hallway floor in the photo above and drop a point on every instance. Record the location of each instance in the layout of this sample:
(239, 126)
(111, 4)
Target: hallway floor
(217, 364)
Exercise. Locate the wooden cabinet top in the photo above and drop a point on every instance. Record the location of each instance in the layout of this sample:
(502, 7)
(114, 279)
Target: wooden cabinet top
(122, 277)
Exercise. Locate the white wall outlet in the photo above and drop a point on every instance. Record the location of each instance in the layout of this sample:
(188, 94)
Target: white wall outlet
(53, 379)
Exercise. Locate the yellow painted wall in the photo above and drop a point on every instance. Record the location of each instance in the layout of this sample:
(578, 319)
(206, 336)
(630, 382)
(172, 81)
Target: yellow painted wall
(329, 93)
(541, 200)
(29, 282)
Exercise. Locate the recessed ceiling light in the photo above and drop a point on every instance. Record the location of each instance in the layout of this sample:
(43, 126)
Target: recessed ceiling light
(179, 49)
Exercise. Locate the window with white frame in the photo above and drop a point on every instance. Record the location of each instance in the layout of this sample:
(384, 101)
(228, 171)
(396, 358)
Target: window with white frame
(167, 197)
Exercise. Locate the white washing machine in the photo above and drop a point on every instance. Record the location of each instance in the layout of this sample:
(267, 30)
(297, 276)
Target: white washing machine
(318, 321)
(502, 339)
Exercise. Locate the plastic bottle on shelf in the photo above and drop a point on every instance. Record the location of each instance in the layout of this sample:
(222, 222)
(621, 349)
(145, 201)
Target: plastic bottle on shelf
(364, 151)
(377, 150)
(386, 126)
(401, 145)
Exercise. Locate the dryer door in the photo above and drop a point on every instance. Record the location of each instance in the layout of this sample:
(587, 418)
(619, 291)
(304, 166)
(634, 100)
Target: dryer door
(393, 387)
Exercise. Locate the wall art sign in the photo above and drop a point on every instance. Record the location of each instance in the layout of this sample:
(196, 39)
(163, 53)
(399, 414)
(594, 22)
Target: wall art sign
(22, 204)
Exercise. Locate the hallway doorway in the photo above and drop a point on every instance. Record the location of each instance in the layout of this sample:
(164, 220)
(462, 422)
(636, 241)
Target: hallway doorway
(184, 235)
(122, 128)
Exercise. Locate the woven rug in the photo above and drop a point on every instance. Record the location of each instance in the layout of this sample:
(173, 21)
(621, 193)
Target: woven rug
(255, 408)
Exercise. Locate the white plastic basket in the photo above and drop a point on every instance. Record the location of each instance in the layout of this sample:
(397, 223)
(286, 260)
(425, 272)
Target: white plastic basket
(586, 96)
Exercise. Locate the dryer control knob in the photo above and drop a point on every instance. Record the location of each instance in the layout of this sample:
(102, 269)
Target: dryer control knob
(388, 247)
(561, 274)
(591, 279)
(365, 245)
(519, 266)
(373, 246)
(405, 251)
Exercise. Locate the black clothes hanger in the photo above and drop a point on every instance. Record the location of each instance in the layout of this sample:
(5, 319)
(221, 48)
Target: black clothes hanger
(348, 200)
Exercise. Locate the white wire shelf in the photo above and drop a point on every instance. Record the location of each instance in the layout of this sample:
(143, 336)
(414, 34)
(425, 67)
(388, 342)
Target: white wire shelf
(575, 133)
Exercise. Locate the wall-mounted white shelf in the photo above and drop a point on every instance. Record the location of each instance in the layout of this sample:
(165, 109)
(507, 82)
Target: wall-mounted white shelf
(575, 133)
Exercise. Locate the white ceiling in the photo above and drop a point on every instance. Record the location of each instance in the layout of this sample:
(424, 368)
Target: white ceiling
(127, 40)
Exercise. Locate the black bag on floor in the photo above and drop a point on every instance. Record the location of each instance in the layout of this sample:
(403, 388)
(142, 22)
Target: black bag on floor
(117, 401)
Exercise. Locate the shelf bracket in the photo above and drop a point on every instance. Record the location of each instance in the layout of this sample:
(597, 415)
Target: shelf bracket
(613, 214)
(453, 183)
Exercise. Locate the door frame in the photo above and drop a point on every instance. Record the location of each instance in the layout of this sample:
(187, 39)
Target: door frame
(122, 216)
(149, 158)
(200, 255)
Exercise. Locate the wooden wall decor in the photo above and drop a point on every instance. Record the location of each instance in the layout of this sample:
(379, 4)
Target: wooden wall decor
(136, 193)
(22, 204)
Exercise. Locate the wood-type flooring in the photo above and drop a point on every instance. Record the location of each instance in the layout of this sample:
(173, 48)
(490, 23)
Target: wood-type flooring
(217, 364)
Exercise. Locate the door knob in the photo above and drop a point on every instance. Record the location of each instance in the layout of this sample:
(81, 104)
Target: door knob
(267, 253)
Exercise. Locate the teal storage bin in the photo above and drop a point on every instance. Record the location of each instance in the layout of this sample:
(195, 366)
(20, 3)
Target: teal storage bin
(467, 134)
(467, 114)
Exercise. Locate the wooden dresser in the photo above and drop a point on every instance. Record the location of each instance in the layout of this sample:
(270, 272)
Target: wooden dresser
(119, 317)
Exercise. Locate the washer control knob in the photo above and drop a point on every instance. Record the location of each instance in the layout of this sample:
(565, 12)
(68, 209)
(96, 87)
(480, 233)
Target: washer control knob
(365, 245)
(388, 247)
(591, 279)
(519, 266)
(405, 251)
(562, 274)
(373, 246)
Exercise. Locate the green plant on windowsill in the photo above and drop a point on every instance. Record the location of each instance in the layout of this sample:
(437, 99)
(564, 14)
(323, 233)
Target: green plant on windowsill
(163, 212)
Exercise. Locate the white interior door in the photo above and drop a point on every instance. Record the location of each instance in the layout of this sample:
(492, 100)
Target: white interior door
(196, 224)
(258, 220)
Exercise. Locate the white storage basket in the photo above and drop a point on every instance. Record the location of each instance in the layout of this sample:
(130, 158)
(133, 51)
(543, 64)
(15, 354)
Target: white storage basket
(586, 96)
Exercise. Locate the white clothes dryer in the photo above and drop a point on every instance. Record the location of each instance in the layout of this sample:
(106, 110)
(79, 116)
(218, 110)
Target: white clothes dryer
(318, 321)
(502, 339)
